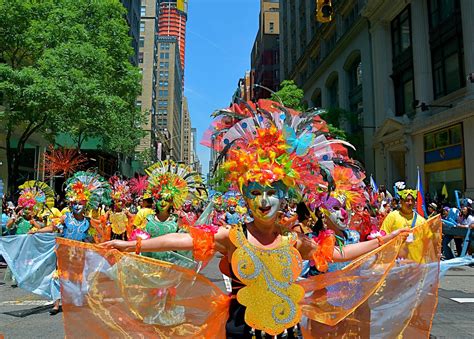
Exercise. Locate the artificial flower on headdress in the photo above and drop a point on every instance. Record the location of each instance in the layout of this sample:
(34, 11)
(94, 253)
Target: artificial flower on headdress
(120, 190)
(89, 187)
(35, 195)
(172, 181)
(272, 143)
(403, 191)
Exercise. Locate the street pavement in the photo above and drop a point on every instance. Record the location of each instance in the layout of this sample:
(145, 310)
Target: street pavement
(454, 319)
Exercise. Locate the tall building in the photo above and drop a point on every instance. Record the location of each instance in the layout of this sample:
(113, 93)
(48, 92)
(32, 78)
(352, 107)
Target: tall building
(186, 133)
(265, 62)
(245, 88)
(170, 94)
(400, 68)
(155, 143)
(133, 20)
(172, 22)
(194, 156)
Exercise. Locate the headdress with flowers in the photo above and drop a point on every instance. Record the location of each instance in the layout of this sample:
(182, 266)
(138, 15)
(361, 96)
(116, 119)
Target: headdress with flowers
(270, 143)
(403, 191)
(121, 192)
(35, 195)
(174, 181)
(89, 187)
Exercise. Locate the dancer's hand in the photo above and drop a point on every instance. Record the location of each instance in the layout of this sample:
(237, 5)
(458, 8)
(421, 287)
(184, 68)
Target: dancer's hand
(121, 245)
(404, 232)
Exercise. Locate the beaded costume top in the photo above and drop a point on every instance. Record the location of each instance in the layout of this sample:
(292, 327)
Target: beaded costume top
(270, 295)
(118, 222)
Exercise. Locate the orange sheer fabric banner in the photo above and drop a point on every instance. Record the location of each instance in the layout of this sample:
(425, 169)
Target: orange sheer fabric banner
(377, 295)
(112, 294)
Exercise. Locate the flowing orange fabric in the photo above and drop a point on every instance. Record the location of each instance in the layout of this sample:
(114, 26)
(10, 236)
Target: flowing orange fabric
(113, 294)
(102, 232)
(377, 295)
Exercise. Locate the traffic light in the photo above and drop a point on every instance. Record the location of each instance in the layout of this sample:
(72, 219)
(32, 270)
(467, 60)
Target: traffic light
(324, 10)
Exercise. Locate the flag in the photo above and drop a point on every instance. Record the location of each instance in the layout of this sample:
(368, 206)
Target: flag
(182, 5)
(444, 191)
(420, 199)
(456, 194)
(373, 184)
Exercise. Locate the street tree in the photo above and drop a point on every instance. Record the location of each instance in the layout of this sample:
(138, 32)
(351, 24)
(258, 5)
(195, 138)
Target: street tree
(65, 68)
(292, 96)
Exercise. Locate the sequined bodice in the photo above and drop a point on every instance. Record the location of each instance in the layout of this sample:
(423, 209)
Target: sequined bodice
(75, 229)
(270, 294)
(118, 222)
(157, 228)
(23, 226)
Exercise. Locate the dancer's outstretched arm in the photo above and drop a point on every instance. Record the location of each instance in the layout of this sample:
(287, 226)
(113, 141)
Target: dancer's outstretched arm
(307, 247)
(169, 242)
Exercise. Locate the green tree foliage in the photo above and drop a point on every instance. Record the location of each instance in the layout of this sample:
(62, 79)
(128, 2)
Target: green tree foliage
(64, 68)
(292, 96)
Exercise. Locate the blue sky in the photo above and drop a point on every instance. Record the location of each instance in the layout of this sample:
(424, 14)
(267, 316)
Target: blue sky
(219, 39)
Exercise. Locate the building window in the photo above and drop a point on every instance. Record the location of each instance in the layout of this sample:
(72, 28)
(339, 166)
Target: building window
(143, 11)
(447, 48)
(164, 64)
(164, 55)
(355, 86)
(441, 11)
(402, 63)
(163, 93)
(333, 93)
(401, 33)
(272, 27)
(142, 26)
(140, 57)
(142, 42)
(165, 46)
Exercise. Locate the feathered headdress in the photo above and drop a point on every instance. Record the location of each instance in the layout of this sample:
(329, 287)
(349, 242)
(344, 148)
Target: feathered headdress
(270, 143)
(170, 180)
(403, 191)
(120, 190)
(138, 185)
(62, 161)
(35, 195)
(89, 187)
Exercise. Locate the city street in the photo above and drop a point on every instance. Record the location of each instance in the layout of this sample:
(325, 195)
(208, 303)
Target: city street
(454, 319)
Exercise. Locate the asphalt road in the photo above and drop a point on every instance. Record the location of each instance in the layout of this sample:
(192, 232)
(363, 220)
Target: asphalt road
(454, 319)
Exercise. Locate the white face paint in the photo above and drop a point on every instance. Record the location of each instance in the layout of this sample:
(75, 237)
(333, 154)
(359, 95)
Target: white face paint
(264, 202)
(340, 218)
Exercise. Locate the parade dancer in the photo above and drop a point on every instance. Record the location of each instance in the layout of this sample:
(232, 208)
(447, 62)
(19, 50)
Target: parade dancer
(406, 217)
(85, 191)
(169, 184)
(119, 218)
(268, 153)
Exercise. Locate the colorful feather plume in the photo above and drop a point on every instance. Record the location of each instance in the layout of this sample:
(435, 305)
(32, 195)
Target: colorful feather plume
(62, 161)
(138, 185)
(89, 187)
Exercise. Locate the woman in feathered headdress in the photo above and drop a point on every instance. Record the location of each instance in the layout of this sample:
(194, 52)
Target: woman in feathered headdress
(84, 191)
(119, 219)
(35, 205)
(169, 185)
(268, 151)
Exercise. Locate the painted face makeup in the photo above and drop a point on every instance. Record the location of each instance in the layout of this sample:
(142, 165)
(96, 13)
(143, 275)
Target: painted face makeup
(264, 201)
(163, 205)
(77, 208)
(340, 218)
